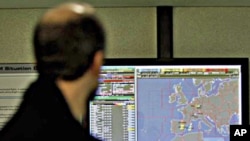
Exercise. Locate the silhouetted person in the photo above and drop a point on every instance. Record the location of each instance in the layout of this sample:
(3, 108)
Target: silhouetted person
(69, 43)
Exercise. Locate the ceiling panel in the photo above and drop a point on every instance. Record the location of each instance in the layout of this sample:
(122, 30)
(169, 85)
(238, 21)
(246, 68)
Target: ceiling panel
(118, 3)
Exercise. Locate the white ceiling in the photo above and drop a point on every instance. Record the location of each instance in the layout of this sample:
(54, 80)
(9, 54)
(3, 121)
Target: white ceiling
(119, 3)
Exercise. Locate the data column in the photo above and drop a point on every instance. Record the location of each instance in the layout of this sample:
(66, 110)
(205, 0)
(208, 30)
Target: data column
(101, 121)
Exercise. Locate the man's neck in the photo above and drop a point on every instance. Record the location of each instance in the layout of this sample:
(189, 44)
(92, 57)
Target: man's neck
(76, 94)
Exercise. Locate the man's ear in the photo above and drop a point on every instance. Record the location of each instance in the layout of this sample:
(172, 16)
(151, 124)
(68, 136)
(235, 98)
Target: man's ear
(97, 62)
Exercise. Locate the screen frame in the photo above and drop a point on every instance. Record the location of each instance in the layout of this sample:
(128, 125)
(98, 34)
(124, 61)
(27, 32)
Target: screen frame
(243, 62)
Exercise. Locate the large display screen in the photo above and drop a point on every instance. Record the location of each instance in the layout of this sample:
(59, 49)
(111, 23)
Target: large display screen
(170, 100)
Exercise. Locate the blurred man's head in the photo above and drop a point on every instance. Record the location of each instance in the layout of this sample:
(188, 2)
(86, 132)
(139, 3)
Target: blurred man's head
(66, 39)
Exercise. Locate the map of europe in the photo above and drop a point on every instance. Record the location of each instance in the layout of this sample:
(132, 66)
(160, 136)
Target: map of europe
(187, 109)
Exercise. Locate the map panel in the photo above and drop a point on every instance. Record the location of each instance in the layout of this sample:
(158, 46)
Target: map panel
(187, 108)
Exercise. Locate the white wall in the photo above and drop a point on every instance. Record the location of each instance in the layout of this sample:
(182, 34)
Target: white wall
(131, 33)
(211, 32)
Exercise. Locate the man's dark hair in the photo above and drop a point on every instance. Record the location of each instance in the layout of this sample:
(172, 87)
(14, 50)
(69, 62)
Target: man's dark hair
(66, 50)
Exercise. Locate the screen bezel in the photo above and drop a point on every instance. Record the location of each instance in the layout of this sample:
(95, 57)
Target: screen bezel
(243, 62)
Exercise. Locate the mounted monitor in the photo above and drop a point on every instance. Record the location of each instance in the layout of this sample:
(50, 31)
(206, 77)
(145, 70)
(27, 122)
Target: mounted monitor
(170, 100)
